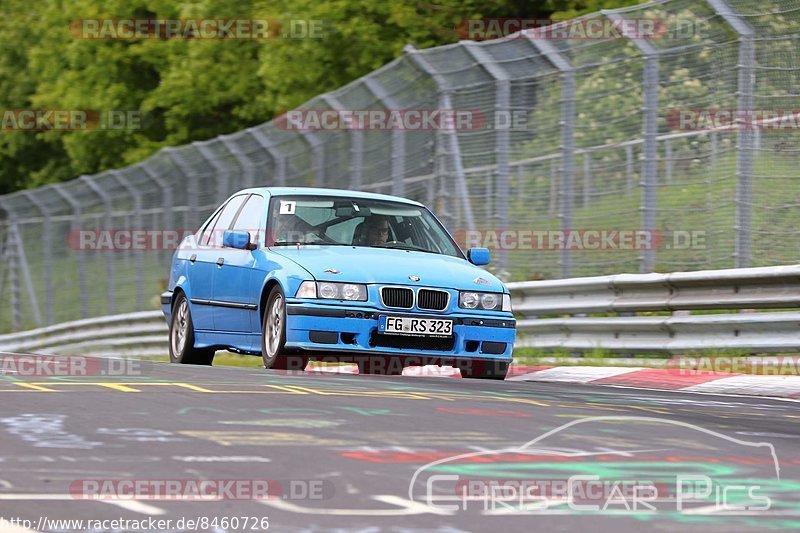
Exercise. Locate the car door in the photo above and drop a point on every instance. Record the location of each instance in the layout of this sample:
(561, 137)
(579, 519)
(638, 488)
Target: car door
(236, 289)
(200, 273)
(203, 264)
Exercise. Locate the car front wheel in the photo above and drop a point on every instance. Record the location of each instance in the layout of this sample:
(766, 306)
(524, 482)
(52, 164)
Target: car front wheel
(273, 336)
(181, 337)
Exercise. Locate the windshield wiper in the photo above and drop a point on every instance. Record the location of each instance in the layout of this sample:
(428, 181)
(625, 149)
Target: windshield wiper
(403, 246)
(317, 243)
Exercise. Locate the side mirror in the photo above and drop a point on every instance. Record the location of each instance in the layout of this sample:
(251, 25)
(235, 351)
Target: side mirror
(478, 256)
(237, 239)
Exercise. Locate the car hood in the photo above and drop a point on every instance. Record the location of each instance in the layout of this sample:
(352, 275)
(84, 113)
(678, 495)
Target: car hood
(375, 265)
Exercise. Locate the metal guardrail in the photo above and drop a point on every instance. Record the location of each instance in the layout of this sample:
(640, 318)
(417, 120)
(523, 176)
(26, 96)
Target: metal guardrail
(542, 304)
(552, 317)
(142, 334)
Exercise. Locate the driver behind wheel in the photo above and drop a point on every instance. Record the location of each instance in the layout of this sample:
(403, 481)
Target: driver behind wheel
(373, 231)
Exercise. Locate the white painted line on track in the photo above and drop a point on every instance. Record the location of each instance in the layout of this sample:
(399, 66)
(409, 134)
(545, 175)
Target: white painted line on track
(576, 374)
(136, 506)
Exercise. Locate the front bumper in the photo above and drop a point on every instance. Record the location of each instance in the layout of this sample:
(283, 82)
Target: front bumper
(353, 330)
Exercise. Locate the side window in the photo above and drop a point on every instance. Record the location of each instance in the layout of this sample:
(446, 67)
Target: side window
(250, 217)
(208, 229)
(224, 219)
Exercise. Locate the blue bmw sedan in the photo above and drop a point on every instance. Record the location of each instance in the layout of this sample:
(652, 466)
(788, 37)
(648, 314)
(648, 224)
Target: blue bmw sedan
(294, 273)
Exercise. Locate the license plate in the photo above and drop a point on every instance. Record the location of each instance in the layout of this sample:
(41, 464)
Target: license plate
(414, 326)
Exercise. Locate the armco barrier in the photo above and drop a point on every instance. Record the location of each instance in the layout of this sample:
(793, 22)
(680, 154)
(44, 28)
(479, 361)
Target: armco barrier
(142, 334)
(541, 306)
(552, 316)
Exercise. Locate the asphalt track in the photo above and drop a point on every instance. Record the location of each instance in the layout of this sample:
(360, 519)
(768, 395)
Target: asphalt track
(340, 451)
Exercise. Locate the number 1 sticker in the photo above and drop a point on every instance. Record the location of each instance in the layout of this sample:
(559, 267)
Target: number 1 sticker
(287, 208)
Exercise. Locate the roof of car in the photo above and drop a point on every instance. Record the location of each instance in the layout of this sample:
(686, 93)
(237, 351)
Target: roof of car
(314, 191)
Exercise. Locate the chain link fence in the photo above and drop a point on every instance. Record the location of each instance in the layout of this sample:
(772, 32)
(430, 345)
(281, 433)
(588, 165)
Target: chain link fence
(599, 151)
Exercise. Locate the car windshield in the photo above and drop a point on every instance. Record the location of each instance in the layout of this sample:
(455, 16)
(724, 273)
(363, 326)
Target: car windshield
(341, 221)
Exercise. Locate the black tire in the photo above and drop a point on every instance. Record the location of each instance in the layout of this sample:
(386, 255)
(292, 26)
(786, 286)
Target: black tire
(181, 337)
(484, 369)
(273, 336)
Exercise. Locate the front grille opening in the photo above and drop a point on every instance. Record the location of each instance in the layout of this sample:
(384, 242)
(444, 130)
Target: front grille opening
(431, 300)
(411, 343)
(397, 297)
(348, 338)
(472, 346)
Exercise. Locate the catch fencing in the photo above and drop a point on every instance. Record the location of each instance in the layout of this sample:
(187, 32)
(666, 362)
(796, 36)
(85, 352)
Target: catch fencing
(602, 148)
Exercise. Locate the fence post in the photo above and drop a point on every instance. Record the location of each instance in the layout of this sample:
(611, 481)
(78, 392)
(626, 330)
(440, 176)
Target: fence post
(222, 176)
(47, 255)
(650, 133)
(567, 189)
(167, 206)
(317, 156)
(137, 223)
(245, 162)
(668, 160)
(502, 137)
(18, 264)
(714, 148)
(75, 225)
(357, 150)
(554, 188)
(628, 168)
(587, 178)
(744, 134)
(452, 137)
(278, 159)
(191, 218)
(398, 137)
(109, 253)
(11, 259)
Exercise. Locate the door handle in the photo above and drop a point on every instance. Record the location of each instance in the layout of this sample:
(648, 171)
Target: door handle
(220, 261)
(193, 258)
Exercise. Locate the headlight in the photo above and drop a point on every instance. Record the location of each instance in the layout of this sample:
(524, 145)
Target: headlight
(353, 292)
(468, 300)
(490, 301)
(327, 290)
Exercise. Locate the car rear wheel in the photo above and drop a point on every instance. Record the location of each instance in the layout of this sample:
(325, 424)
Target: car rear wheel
(273, 336)
(484, 369)
(181, 337)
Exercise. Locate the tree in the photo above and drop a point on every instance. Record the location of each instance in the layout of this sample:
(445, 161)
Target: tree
(193, 89)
